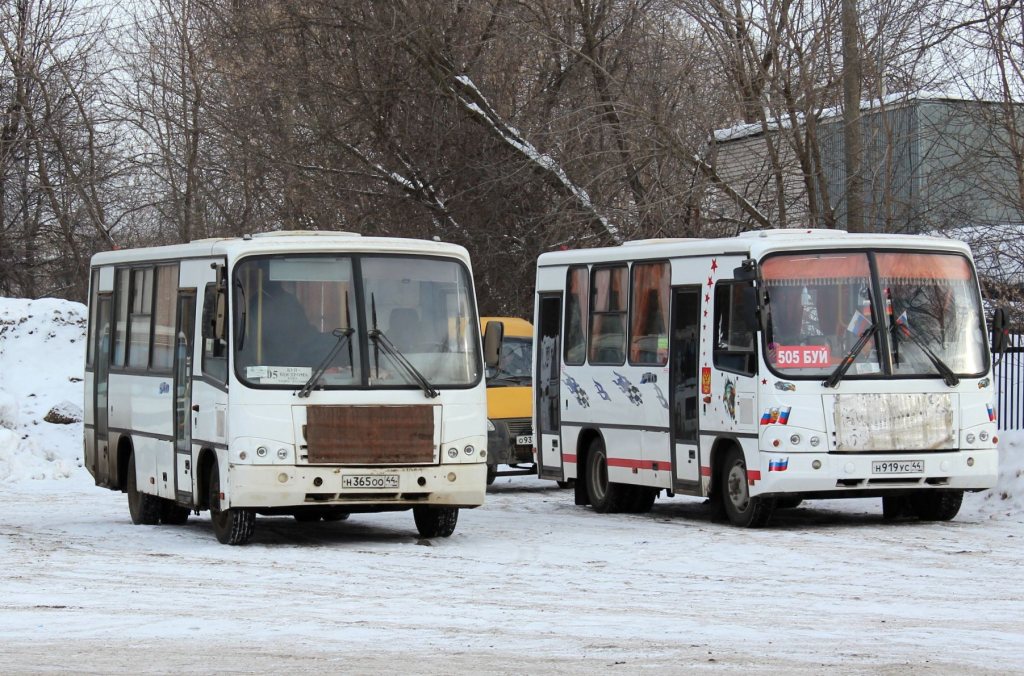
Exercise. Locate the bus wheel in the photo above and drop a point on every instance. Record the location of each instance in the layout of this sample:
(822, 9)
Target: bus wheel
(936, 505)
(144, 508)
(605, 497)
(172, 513)
(742, 509)
(435, 522)
(492, 474)
(233, 526)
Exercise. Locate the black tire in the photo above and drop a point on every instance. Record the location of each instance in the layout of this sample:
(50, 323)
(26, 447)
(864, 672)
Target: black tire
(788, 503)
(740, 507)
(144, 508)
(435, 522)
(896, 507)
(492, 474)
(936, 505)
(232, 526)
(173, 514)
(605, 497)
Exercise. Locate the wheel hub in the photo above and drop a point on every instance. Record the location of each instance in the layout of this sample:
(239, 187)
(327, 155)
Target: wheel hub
(739, 496)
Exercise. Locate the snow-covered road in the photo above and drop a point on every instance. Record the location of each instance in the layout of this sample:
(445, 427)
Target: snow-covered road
(528, 583)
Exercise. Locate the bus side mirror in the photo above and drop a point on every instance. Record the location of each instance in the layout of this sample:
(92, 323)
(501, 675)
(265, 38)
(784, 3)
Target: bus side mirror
(746, 272)
(214, 312)
(218, 321)
(493, 335)
(1000, 330)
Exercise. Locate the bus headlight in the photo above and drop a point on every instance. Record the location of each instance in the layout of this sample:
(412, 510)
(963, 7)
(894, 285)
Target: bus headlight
(794, 439)
(814, 441)
(970, 437)
(453, 453)
(261, 451)
(282, 453)
(469, 450)
(490, 425)
(983, 436)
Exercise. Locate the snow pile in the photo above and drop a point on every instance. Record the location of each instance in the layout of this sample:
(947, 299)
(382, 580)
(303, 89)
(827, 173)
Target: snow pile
(1007, 498)
(42, 346)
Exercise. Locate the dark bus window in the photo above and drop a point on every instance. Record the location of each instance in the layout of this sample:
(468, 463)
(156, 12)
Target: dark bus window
(735, 327)
(577, 301)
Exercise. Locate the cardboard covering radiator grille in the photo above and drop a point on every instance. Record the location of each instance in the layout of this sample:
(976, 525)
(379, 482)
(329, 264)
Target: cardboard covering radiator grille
(370, 435)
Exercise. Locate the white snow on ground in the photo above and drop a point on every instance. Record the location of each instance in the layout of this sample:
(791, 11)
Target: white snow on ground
(42, 351)
(528, 583)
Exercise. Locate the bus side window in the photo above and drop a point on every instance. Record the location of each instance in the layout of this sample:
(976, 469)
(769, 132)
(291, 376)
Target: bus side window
(735, 327)
(215, 348)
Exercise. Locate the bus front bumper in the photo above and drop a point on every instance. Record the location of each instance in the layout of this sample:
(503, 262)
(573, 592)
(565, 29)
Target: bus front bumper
(275, 486)
(835, 474)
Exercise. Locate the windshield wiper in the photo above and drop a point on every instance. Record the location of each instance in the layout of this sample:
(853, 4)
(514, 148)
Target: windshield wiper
(342, 335)
(850, 357)
(380, 340)
(948, 376)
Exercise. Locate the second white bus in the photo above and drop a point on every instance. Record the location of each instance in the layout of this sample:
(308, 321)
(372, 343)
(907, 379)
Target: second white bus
(765, 369)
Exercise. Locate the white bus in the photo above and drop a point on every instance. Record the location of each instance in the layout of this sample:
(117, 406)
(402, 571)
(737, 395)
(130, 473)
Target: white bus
(765, 369)
(307, 374)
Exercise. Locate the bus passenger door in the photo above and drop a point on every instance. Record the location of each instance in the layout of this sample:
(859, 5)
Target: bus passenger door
(101, 456)
(547, 388)
(684, 379)
(183, 352)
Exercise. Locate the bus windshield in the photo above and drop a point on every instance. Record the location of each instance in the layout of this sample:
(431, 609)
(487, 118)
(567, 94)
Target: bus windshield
(821, 304)
(299, 315)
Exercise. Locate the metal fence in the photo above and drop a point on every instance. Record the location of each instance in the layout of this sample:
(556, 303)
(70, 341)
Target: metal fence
(1009, 379)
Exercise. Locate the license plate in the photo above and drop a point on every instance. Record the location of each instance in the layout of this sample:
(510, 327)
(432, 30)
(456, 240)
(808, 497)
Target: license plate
(369, 481)
(897, 467)
(524, 440)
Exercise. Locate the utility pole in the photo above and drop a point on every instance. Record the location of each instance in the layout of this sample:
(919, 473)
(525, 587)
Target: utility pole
(852, 134)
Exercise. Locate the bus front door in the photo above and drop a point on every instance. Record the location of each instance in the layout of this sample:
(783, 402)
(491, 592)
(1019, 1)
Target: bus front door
(100, 465)
(547, 389)
(183, 355)
(684, 378)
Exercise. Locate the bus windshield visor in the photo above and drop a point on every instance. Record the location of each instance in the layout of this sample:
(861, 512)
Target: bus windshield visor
(820, 305)
(293, 313)
(933, 313)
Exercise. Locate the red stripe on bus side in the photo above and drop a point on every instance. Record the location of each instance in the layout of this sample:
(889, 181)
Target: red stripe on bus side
(632, 464)
(662, 466)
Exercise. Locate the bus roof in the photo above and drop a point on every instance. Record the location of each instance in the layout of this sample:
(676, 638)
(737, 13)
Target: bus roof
(754, 244)
(288, 242)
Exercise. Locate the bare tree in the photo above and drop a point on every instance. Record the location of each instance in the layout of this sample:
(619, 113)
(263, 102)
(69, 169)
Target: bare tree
(54, 155)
